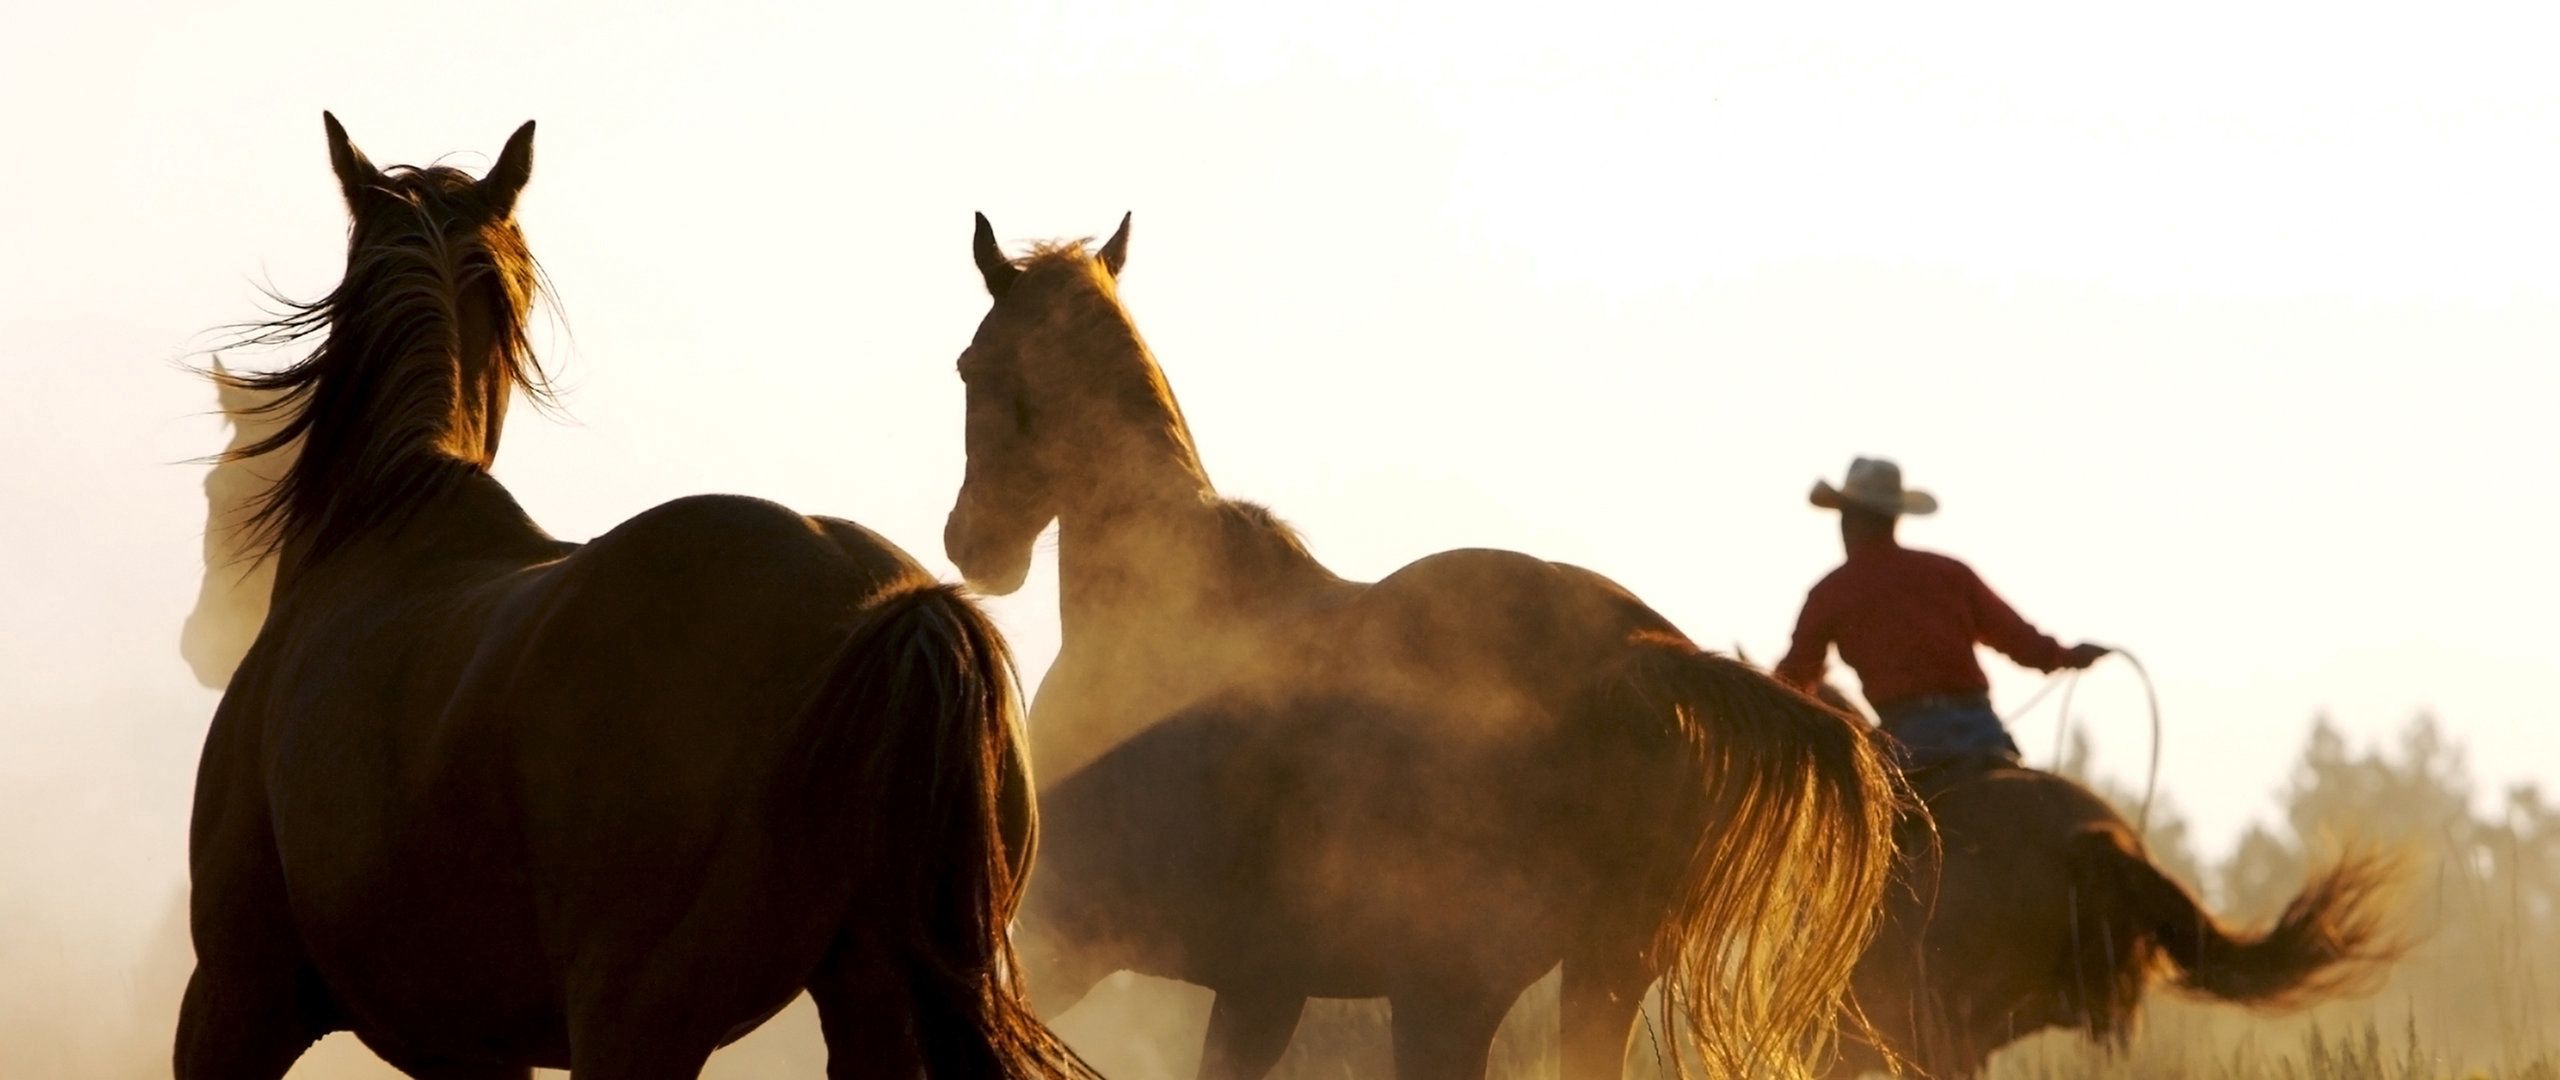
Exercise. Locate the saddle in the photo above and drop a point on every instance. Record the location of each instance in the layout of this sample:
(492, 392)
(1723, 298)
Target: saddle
(1931, 779)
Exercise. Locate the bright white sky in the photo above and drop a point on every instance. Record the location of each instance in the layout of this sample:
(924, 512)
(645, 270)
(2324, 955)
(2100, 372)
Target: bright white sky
(2225, 331)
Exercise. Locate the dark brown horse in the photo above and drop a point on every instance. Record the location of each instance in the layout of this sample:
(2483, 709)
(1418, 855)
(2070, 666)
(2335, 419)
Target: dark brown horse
(2034, 906)
(492, 800)
(1279, 784)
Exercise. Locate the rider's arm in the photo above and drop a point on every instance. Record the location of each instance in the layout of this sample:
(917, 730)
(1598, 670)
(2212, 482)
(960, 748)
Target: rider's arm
(1810, 650)
(2000, 626)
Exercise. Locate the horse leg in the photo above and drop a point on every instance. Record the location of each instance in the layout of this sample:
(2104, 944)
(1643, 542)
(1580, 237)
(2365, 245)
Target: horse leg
(1602, 995)
(638, 1025)
(1057, 979)
(253, 1004)
(450, 1071)
(1445, 1032)
(867, 1018)
(638, 1049)
(1248, 1031)
(237, 1025)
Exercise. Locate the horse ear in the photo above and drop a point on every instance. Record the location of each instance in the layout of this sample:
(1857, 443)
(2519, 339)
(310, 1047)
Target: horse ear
(992, 265)
(229, 393)
(507, 178)
(1116, 250)
(356, 175)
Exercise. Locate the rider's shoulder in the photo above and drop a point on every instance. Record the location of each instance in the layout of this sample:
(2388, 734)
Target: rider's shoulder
(1834, 579)
(1938, 560)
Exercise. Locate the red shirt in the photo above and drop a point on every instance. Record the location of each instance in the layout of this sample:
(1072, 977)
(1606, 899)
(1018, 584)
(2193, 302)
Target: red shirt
(1906, 621)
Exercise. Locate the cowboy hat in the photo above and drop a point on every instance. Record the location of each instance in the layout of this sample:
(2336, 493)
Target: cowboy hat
(1873, 484)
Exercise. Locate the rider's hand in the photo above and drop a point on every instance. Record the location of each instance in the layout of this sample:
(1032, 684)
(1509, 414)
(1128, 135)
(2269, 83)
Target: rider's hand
(2084, 654)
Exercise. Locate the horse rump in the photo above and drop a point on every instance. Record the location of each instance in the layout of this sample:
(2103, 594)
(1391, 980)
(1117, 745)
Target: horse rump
(2131, 919)
(911, 761)
(1790, 808)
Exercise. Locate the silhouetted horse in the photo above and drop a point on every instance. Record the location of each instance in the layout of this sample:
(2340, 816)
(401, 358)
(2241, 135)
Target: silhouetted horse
(491, 800)
(231, 601)
(1278, 784)
(2035, 906)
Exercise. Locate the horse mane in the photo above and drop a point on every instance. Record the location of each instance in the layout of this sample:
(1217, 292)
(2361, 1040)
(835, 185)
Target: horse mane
(1103, 328)
(233, 485)
(375, 405)
(1250, 533)
(1046, 252)
(1262, 544)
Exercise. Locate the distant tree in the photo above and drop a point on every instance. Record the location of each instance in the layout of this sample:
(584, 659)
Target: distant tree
(2478, 995)
(2485, 979)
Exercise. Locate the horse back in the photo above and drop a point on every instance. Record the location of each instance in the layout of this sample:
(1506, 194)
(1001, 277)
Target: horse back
(1417, 736)
(701, 616)
(2001, 827)
(1321, 839)
(1478, 616)
(1985, 933)
(2019, 803)
(651, 687)
(432, 739)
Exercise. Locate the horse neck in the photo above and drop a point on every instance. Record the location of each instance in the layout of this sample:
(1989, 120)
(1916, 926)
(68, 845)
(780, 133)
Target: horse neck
(482, 388)
(471, 519)
(448, 506)
(1184, 566)
(1124, 563)
(1144, 541)
(1136, 487)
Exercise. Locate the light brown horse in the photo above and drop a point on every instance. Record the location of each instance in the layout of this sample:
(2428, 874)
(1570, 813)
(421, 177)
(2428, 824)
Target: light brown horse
(2034, 906)
(231, 602)
(493, 801)
(1279, 784)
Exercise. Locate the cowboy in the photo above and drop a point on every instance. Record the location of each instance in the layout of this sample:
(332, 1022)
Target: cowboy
(1907, 621)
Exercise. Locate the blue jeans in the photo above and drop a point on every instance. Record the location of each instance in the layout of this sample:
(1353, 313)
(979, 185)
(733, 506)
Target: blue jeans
(1935, 729)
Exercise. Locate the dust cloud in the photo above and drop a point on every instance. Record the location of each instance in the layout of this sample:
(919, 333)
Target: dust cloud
(92, 995)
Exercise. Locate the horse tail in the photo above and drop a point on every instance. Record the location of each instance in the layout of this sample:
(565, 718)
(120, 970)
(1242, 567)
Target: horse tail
(2331, 939)
(1788, 816)
(915, 764)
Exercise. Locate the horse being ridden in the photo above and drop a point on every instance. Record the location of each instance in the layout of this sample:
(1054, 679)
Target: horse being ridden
(493, 801)
(2031, 903)
(1279, 784)
(2035, 906)
(1908, 621)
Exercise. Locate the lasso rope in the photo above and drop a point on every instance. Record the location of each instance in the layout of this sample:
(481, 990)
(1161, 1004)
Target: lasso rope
(2069, 681)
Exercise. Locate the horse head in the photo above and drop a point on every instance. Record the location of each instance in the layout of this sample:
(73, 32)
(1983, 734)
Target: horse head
(423, 343)
(1065, 406)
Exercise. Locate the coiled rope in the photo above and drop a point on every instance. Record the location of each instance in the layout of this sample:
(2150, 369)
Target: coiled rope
(2069, 681)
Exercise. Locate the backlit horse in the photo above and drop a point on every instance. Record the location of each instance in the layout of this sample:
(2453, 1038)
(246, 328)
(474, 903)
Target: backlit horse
(1276, 783)
(492, 800)
(231, 602)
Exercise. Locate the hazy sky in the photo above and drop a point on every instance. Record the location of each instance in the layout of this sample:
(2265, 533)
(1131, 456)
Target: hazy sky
(2223, 332)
